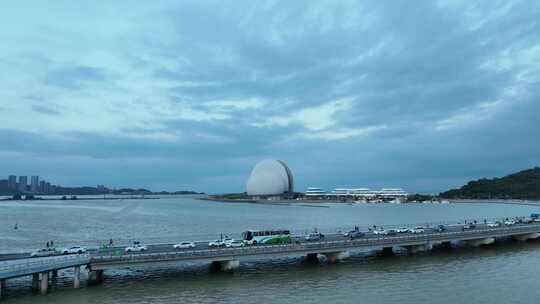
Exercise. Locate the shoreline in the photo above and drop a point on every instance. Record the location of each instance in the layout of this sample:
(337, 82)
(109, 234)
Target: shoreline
(496, 201)
(302, 203)
(77, 199)
(314, 203)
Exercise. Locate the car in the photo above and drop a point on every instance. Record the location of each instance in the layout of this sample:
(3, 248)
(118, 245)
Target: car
(136, 247)
(468, 227)
(314, 236)
(235, 243)
(346, 234)
(441, 228)
(509, 223)
(402, 230)
(353, 234)
(379, 231)
(528, 220)
(44, 252)
(216, 243)
(391, 232)
(74, 250)
(417, 230)
(493, 225)
(184, 245)
(227, 240)
(385, 232)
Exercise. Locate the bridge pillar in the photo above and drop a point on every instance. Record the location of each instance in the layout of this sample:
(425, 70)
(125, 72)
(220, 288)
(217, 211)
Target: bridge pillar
(418, 248)
(312, 258)
(386, 251)
(2, 287)
(77, 277)
(480, 242)
(35, 281)
(44, 282)
(226, 266)
(446, 245)
(334, 257)
(95, 277)
(54, 277)
(527, 236)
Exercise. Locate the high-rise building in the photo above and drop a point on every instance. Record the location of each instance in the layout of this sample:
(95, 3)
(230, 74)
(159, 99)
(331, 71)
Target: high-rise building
(12, 182)
(48, 188)
(23, 183)
(34, 184)
(41, 187)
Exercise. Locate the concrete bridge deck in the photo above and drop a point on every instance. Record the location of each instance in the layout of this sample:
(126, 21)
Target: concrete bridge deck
(333, 246)
(332, 243)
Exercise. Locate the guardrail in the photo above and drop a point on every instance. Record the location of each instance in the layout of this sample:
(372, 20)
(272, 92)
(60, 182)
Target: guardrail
(32, 265)
(398, 240)
(20, 267)
(170, 238)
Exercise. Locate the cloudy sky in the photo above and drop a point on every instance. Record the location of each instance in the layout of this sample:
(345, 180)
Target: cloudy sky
(423, 95)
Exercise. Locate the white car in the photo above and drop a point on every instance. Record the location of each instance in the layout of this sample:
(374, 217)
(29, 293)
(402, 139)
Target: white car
(74, 250)
(43, 252)
(402, 230)
(184, 245)
(416, 230)
(493, 225)
(136, 248)
(216, 243)
(314, 236)
(235, 243)
(509, 223)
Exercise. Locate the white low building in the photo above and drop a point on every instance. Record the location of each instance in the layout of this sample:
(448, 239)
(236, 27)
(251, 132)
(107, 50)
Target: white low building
(356, 193)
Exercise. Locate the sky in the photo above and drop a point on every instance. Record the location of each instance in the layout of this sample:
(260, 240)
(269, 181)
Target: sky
(172, 95)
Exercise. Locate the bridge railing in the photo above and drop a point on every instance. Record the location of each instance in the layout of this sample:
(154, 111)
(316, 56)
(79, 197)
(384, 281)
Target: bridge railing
(56, 261)
(170, 238)
(320, 245)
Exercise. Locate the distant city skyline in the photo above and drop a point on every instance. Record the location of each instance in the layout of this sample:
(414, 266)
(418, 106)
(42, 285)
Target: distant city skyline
(20, 183)
(192, 94)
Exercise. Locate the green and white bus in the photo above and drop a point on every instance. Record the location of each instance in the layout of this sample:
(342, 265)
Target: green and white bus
(253, 237)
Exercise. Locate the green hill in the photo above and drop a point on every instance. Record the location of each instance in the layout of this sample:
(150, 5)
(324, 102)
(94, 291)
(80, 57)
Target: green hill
(522, 185)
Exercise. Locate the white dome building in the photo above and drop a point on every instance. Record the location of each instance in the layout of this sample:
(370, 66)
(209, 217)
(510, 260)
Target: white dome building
(270, 177)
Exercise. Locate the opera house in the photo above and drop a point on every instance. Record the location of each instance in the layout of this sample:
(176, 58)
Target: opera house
(270, 178)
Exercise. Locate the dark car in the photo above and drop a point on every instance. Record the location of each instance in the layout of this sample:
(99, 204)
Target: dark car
(441, 228)
(355, 234)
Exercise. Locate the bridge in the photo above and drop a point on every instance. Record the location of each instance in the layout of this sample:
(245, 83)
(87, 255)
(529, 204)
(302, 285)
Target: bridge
(334, 247)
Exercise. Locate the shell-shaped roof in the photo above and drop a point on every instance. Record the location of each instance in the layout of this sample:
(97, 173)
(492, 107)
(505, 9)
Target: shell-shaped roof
(270, 177)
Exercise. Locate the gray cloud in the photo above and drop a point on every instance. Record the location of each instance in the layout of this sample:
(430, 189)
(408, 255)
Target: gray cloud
(73, 78)
(45, 110)
(452, 90)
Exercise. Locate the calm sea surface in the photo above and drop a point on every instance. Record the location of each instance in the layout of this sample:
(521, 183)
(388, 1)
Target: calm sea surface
(507, 272)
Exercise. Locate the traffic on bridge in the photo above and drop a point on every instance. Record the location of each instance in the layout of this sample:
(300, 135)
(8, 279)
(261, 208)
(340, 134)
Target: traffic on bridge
(224, 252)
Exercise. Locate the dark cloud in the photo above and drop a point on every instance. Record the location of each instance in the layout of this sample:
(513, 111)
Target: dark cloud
(452, 87)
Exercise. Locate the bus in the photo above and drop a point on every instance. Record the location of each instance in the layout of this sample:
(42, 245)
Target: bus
(253, 237)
